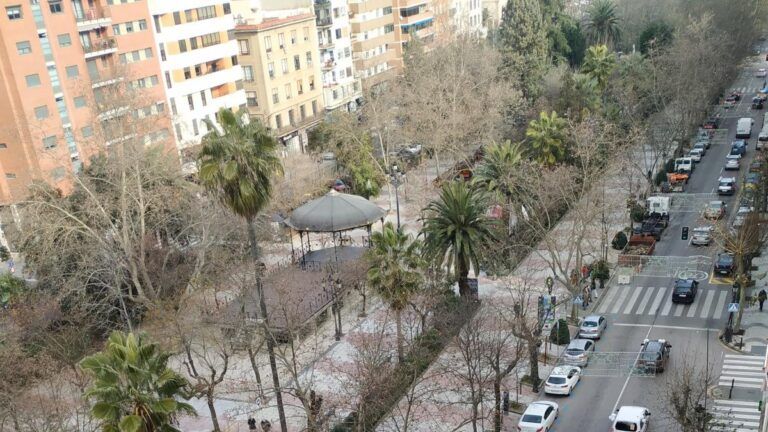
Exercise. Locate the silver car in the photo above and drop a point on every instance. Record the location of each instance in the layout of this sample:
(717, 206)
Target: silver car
(592, 327)
(578, 351)
(701, 236)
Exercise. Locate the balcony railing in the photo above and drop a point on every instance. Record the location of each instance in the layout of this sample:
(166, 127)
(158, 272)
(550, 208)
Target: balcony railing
(103, 44)
(326, 43)
(324, 22)
(328, 65)
(92, 15)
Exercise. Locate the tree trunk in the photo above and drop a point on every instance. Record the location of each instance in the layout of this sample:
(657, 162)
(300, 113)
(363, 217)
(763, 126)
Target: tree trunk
(497, 404)
(533, 361)
(739, 260)
(255, 367)
(399, 325)
(252, 239)
(463, 273)
(212, 409)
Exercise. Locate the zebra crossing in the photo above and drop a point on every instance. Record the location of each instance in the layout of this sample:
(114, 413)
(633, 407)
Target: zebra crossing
(638, 300)
(747, 90)
(743, 371)
(735, 416)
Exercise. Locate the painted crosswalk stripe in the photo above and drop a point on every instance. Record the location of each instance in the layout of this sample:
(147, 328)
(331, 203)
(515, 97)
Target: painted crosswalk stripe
(646, 299)
(742, 371)
(679, 310)
(612, 293)
(657, 301)
(620, 300)
(720, 305)
(632, 300)
(707, 303)
(736, 416)
(692, 308)
(666, 308)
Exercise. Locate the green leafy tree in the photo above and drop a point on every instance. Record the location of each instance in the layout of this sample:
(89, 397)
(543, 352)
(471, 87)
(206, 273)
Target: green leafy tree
(394, 272)
(546, 137)
(134, 390)
(574, 37)
(500, 162)
(458, 231)
(579, 96)
(237, 166)
(602, 23)
(10, 286)
(522, 40)
(656, 35)
(599, 64)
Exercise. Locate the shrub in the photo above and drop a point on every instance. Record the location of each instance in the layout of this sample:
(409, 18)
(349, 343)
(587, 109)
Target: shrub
(637, 213)
(601, 271)
(619, 241)
(560, 334)
(5, 254)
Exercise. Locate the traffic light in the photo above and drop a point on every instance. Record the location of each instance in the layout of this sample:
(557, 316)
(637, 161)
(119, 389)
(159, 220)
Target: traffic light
(685, 233)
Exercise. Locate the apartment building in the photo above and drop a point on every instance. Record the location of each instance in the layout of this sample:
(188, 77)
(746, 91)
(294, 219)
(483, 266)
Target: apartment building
(199, 64)
(375, 51)
(283, 80)
(342, 88)
(466, 17)
(493, 11)
(67, 69)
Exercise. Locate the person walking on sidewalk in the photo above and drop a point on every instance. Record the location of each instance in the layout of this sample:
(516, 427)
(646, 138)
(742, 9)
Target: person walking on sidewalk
(761, 296)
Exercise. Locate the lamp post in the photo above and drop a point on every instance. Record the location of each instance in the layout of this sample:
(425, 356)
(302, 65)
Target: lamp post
(395, 181)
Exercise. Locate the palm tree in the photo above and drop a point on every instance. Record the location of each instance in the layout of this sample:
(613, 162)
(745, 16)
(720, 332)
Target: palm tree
(602, 23)
(237, 166)
(134, 389)
(394, 271)
(599, 63)
(547, 138)
(457, 230)
(500, 162)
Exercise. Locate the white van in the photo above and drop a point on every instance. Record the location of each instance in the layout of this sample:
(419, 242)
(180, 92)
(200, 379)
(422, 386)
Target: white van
(744, 127)
(684, 164)
(762, 139)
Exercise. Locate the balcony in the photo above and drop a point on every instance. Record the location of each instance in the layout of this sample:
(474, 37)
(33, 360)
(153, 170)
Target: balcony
(299, 124)
(324, 22)
(328, 65)
(326, 43)
(100, 47)
(92, 19)
(97, 82)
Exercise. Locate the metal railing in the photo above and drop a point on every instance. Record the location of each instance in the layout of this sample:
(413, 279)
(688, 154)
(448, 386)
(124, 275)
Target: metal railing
(100, 45)
(91, 15)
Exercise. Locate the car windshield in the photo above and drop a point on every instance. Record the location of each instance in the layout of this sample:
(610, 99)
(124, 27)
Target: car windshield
(715, 206)
(589, 324)
(530, 418)
(650, 356)
(625, 426)
(574, 351)
(682, 288)
(725, 259)
(556, 380)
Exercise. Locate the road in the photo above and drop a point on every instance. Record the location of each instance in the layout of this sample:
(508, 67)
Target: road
(643, 309)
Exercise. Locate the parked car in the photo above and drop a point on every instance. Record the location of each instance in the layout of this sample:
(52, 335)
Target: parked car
(701, 146)
(711, 123)
(757, 103)
(562, 380)
(741, 216)
(630, 418)
(724, 264)
(729, 102)
(539, 416)
(735, 94)
(732, 162)
(726, 186)
(654, 355)
(578, 352)
(715, 210)
(752, 180)
(704, 141)
(739, 146)
(685, 291)
(695, 155)
(592, 327)
(702, 236)
(760, 73)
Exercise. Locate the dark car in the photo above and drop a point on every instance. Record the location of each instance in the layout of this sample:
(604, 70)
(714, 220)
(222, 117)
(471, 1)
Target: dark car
(724, 264)
(654, 355)
(757, 103)
(739, 147)
(685, 291)
(711, 123)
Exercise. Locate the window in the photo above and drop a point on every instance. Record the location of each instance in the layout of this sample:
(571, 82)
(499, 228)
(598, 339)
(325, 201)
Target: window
(174, 111)
(245, 48)
(13, 12)
(311, 83)
(64, 40)
(387, 10)
(302, 112)
(389, 28)
(158, 27)
(79, 101)
(195, 130)
(293, 37)
(300, 87)
(291, 118)
(54, 6)
(314, 108)
(210, 39)
(198, 70)
(248, 73)
(135, 56)
(86, 131)
(187, 73)
(32, 80)
(227, 9)
(183, 45)
(281, 39)
(338, 33)
(116, 29)
(147, 53)
(168, 80)
(23, 47)
(142, 24)
(287, 91)
(309, 58)
(284, 65)
(251, 99)
(193, 43)
(335, 94)
(296, 62)
(162, 51)
(206, 12)
(188, 15)
(306, 33)
(202, 97)
(72, 71)
(177, 17)
(129, 27)
(275, 96)
(10, 175)
(271, 69)
(190, 102)
(49, 142)
(268, 43)
(178, 132)
(41, 112)
(278, 121)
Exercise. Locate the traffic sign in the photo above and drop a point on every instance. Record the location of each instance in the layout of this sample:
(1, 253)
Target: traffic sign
(733, 307)
(578, 300)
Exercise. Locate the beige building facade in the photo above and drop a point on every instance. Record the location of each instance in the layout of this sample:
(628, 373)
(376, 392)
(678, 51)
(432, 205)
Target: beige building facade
(283, 81)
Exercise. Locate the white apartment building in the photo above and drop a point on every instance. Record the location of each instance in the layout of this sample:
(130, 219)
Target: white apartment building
(341, 85)
(467, 17)
(198, 61)
(374, 45)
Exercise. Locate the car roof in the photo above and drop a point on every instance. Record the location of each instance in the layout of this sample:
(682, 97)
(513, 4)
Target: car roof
(724, 255)
(727, 179)
(652, 346)
(537, 408)
(592, 317)
(561, 370)
(719, 203)
(578, 343)
(684, 282)
(704, 228)
(630, 413)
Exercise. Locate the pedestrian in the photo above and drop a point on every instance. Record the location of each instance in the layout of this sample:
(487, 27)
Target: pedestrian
(266, 426)
(761, 296)
(251, 423)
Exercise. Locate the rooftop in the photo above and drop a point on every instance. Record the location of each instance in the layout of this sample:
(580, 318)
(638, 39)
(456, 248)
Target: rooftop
(269, 23)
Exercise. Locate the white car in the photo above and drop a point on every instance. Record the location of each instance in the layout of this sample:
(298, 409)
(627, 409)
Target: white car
(702, 236)
(696, 155)
(732, 162)
(761, 73)
(538, 417)
(702, 146)
(726, 186)
(630, 418)
(562, 380)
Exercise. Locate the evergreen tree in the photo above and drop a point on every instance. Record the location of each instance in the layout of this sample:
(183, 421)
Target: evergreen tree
(523, 44)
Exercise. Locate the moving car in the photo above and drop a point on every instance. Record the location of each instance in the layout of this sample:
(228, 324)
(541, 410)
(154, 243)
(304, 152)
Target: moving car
(724, 264)
(726, 186)
(729, 102)
(695, 155)
(562, 380)
(739, 146)
(757, 103)
(630, 419)
(744, 127)
(732, 162)
(578, 351)
(592, 327)
(760, 73)
(654, 355)
(538, 417)
(714, 210)
(685, 291)
(702, 236)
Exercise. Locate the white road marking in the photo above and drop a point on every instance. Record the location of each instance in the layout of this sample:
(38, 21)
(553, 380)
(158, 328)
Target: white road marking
(666, 327)
(720, 305)
(692, 308)
(646, 299)
(667, 307)
(607, 302)
(678, 310)
(707, 303)
(620, 300)
(632, 300)
(657, 301)
(629, 376)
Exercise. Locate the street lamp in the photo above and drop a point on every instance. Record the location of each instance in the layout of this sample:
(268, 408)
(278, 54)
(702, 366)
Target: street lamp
(395, 181)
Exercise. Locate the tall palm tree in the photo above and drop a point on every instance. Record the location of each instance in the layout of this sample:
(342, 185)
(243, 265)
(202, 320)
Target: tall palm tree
(457, 230)
(394, 272)
(134, 389)
(237, 166)
(547, 138)
(500, 162)
(602, 23)
(599, 64)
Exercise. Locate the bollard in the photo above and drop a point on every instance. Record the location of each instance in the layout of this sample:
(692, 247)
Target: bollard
(730, 392)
